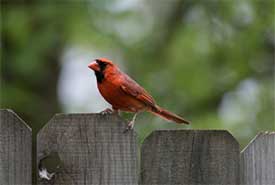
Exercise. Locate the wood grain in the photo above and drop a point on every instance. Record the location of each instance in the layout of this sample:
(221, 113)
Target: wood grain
(15, 150)
(92, 149)
(258, 160)
(190, 157)
(88, 149)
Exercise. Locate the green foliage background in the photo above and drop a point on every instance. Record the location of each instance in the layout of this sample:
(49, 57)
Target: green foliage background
(191, 57)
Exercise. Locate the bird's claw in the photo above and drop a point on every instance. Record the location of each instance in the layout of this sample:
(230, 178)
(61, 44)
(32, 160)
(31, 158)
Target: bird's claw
(107, 111)
(130, 126)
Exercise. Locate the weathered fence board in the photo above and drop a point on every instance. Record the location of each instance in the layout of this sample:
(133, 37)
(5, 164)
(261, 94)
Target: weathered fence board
(88, 149)
(92, 149)
(15, 150)
(190, 157)
(258, 160)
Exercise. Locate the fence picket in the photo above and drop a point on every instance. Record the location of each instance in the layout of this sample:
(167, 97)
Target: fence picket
(88, 149)
(258, 160)
(15, 150)
(190, 157)
(92, 149)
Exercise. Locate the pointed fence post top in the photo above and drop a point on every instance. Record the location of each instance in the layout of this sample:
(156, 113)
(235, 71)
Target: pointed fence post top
(8, 114)
(258, 160)
(260, 137)
(15, 149)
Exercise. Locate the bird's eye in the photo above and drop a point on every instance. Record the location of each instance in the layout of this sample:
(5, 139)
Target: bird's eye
(101, 64)
(98, 61)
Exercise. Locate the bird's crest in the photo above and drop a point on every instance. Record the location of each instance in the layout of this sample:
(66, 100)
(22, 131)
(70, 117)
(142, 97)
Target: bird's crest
(105, 60)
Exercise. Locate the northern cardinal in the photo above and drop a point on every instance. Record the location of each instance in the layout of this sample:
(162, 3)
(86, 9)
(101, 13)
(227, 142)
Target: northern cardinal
(124, 94)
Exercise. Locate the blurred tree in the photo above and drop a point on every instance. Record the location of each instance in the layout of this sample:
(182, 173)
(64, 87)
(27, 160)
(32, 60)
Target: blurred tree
(32, 42)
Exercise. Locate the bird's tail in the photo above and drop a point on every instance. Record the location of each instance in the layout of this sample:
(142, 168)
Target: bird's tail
(165, 114)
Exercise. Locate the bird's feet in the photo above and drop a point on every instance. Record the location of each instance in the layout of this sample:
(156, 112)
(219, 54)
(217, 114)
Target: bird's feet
(130, 126)
(107, 111)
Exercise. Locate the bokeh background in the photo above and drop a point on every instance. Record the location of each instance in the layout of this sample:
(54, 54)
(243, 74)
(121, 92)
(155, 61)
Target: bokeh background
(210, 61)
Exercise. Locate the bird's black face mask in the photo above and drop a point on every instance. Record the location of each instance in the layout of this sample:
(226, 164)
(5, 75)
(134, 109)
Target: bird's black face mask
(100, 74)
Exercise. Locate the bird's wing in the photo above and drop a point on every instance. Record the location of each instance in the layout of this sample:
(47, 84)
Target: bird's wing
(132, 88)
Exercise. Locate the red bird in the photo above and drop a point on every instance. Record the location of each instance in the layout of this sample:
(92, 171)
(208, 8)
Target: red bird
(124, 94)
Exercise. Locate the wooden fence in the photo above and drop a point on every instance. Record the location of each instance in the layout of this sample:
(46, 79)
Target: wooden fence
(92, 149)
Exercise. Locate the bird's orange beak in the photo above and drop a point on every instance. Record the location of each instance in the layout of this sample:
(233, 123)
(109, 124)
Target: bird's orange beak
(94, 66)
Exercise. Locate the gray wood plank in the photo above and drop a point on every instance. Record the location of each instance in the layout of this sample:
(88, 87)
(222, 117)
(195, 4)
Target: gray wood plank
(190, 157)
(88, 149)
(15, 150)
(258, 160)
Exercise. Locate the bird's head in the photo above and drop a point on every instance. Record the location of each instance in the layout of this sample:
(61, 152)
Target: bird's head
(101, 66)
